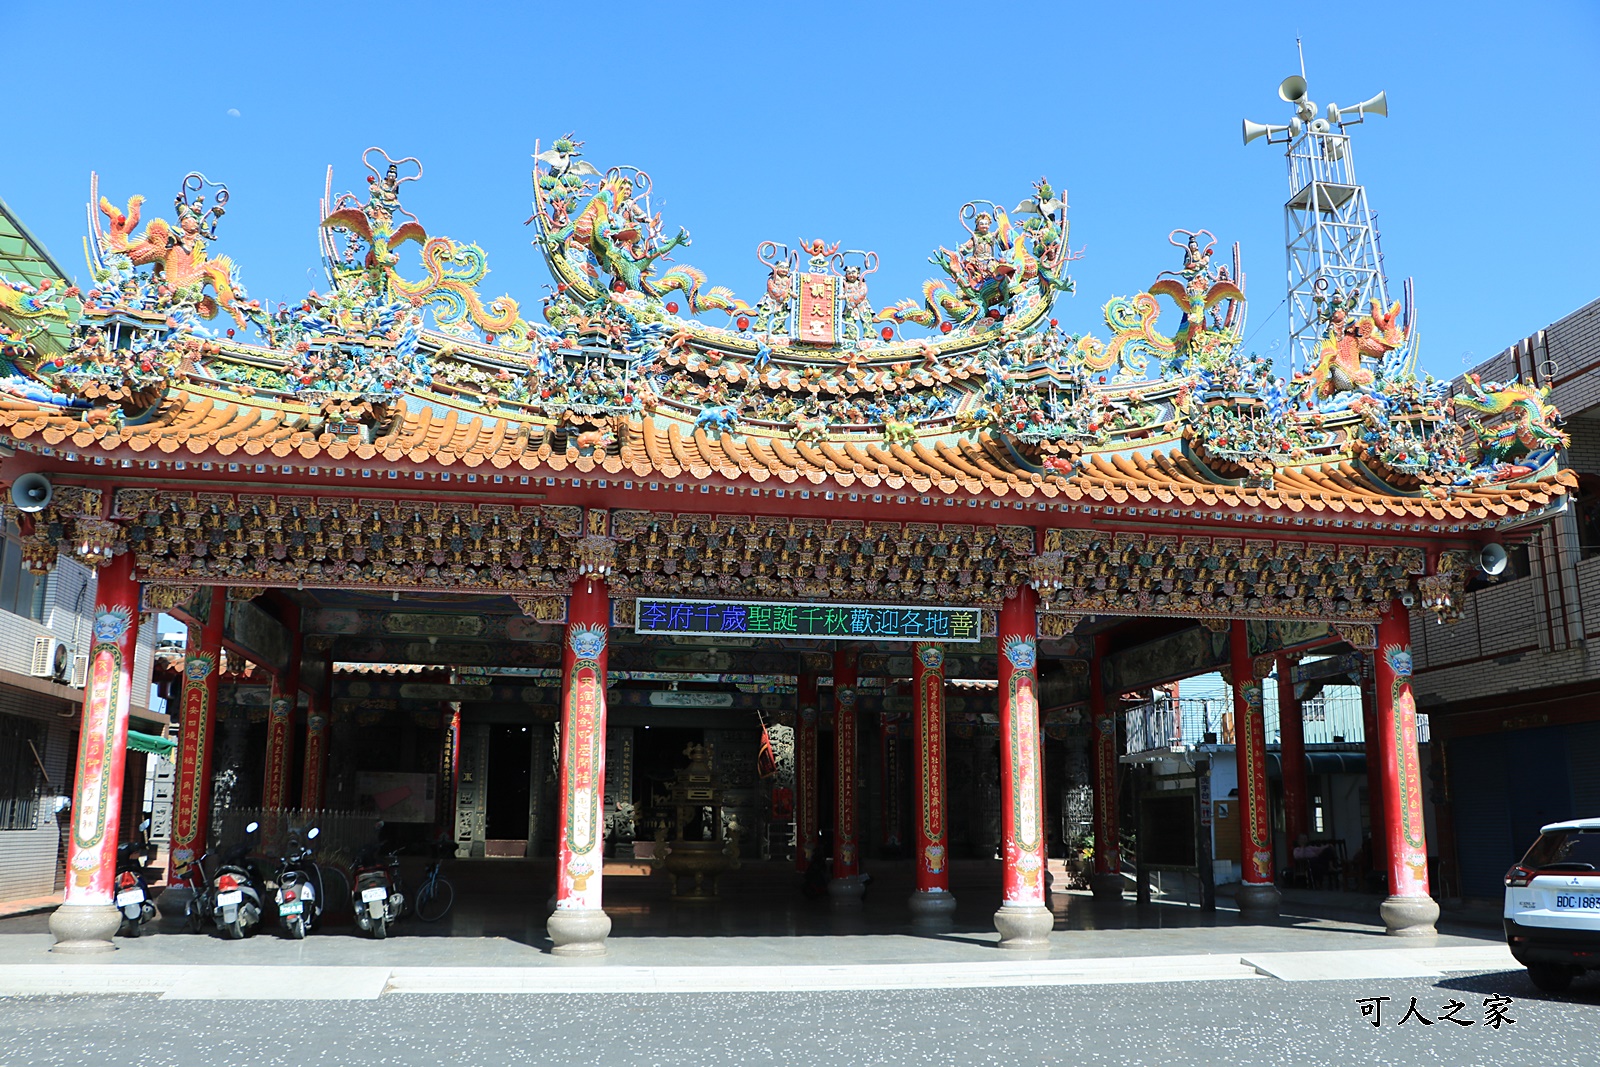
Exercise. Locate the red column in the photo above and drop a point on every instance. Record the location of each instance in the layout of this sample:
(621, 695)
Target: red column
(284, 700)
(313, 775)
(88, 917)
(1023, 920)
(846, 885)
(805, 770)
(1292, 754)
(579, 927)
(1379, 846)
(1409, 909)
(932, 897)
(191, 803)
(1107, 880)
(1258, 892)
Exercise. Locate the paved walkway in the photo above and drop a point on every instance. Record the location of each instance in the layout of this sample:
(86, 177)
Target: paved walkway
(762, 938)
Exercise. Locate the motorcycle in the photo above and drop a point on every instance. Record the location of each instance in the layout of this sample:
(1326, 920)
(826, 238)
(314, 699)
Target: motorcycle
(237, 890)
(133, 898)
(198, 907)
(377, 899)
(299, 896)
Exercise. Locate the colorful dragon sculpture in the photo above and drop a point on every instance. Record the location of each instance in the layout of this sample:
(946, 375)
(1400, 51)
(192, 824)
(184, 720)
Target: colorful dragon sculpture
(1519, 419)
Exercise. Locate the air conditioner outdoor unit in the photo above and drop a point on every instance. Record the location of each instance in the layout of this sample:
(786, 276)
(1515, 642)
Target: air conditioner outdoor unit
(49, 658)
(80, 670)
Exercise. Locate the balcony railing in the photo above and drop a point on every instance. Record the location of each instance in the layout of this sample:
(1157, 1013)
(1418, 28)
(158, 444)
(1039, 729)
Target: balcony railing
(1331, 718)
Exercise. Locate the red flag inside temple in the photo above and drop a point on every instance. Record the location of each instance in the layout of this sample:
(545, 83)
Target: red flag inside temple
(766, 759)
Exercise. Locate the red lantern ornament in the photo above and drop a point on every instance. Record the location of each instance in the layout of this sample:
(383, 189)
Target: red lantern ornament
(561, 287)
(887, 333)
(1054, 323)
(230, 331)
(744, 323)
(994, 313)
(618, 287)
(672, 307)
(945, 327)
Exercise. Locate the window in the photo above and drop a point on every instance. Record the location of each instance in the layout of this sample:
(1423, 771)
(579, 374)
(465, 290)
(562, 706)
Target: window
(21, 591)
(19, 772)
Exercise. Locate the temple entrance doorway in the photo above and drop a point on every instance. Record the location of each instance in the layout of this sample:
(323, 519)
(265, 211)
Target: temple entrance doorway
(509, 790)
(658, 753)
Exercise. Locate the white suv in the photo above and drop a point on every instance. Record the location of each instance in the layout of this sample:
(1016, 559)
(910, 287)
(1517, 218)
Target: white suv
(1553, 904)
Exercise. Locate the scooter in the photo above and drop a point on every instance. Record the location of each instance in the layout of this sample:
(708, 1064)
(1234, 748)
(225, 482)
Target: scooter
(299, 896)
(377, 897)
(237, 890)
(133, 898)
(198, 907)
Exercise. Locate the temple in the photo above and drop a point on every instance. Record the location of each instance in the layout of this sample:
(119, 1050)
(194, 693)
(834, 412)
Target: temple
(412, 525)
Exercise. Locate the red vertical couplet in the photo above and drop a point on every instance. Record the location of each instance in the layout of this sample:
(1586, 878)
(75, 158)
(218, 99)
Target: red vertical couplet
(1103, 748)
(103, 737)
(1021, 785)
(450, 770)
(1292, 734)
(583, 745)
(927, 770)
(1250, 751)
(846, 857)
(311, 780)
(191, 806)
(805, 771)
(281, 705)
(1397, 750)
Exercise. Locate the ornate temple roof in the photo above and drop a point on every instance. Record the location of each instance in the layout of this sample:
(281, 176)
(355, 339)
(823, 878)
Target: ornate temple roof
(636, 367)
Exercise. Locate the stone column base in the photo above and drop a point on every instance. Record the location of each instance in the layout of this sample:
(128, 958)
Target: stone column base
(846, 892)
(1024, 927)
(1106, 886)
(84, 928)
(1258, 901)
(1410, 916)
(930, 909)
(579, 931)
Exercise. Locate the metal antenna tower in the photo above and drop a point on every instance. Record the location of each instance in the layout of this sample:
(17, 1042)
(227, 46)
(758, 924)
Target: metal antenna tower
(1331, 244)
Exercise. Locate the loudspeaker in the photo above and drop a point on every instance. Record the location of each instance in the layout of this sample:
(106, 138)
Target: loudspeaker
(1292, 89)
(1253, 130)
(1492, 559)
(1378, 105)
(31, 493)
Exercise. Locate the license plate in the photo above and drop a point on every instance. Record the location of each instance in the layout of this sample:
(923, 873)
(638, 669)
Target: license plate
(131, 896)
(293, 907)
(1578, 901)
(377, 892)
(232, 896)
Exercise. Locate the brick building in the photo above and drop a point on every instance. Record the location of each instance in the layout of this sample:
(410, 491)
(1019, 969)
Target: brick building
(1513, 687)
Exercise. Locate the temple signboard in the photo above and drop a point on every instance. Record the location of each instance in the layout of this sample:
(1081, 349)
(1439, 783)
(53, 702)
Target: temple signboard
(845, 622)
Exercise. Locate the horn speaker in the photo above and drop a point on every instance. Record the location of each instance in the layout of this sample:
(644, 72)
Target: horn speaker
(1292, 89)
(1492, 559)
(31, 493)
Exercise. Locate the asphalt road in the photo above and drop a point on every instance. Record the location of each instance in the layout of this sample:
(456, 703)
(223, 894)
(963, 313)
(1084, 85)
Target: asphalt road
(1259, 1022)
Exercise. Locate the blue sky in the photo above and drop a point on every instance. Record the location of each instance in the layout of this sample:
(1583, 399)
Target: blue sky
(856, 122)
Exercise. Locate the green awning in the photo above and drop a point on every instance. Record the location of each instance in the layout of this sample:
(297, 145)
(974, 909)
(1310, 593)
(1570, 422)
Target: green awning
(155, 746)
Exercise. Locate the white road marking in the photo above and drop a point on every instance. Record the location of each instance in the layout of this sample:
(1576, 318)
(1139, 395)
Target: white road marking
(268, 982)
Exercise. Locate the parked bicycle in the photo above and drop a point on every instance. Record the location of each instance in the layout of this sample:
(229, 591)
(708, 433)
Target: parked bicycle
(435, 894)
